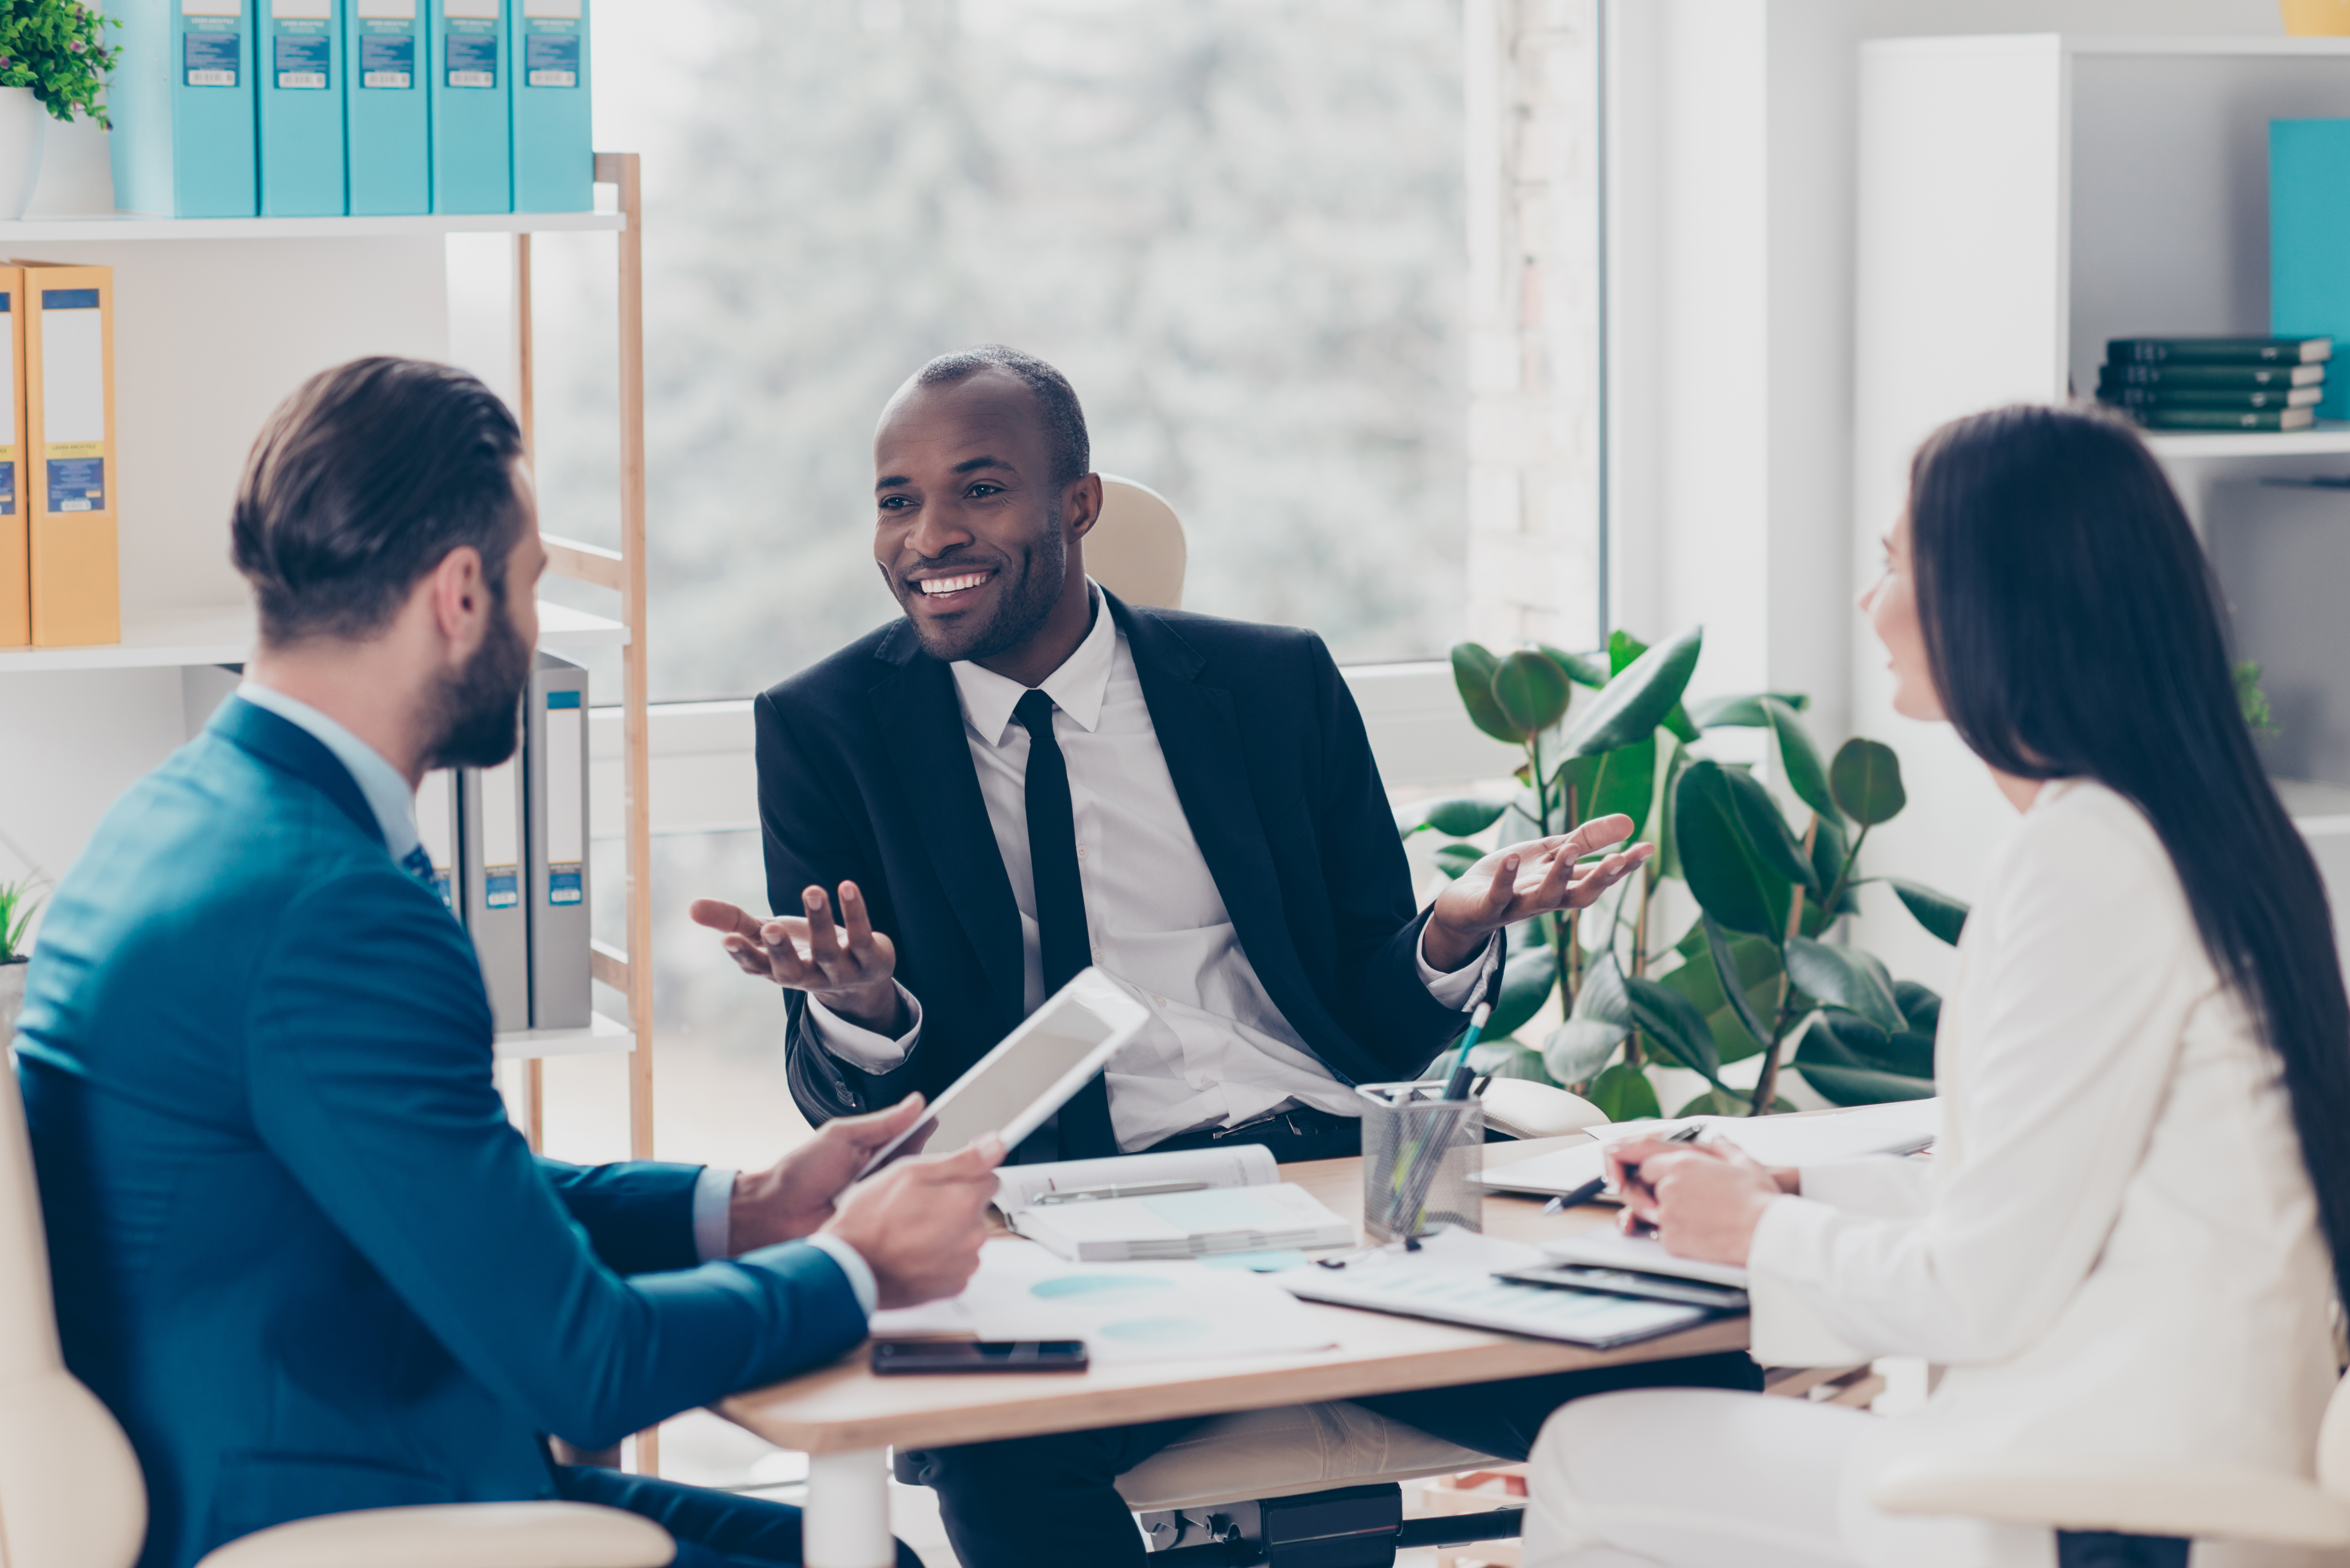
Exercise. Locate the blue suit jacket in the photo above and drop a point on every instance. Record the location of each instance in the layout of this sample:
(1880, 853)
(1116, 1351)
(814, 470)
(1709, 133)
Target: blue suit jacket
(298, 1249)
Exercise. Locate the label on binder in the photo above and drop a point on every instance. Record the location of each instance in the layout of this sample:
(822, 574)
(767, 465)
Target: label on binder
(472, 56)
(210, 58)
(566, 829)
(502, 886)
(551, 54)
(77, 484)
(8, 489)
(386, 53)
(302, 60)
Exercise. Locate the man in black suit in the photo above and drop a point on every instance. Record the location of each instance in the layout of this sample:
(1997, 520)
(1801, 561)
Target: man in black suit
(1025, 775)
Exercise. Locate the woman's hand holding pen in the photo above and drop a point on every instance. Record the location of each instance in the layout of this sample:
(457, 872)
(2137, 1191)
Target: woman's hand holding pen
(1702, 1199)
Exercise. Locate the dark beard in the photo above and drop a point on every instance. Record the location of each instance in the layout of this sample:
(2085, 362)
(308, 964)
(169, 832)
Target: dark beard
(1023, 608)
(478, 709)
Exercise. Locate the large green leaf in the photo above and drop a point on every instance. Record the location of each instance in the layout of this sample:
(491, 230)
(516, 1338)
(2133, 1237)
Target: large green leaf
(1630, 707)
(1668, 848)
(1507, 1059)
(1673, 1022)
(1532, 692)
(1852, 1062)
(1729, 877)
(1863, 1085)
(1603, 999)
(1455, 817)
(1623, 780)
(1472, 677)
(1623, 650)
(1455, 858)
(1575, 1050)
(1726, 975)
(1845, 978)
(1828, 844)
(1941, 914)
(1623, 1093)
(1800, 760)
(1742, 713)
(1697, 979)
(1866, 779)
(1765, 828)
(1729, 1103)
(1526, 983)
(1583, 668)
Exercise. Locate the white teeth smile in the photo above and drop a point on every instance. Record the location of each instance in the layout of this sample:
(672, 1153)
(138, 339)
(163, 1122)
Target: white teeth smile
(953, 585)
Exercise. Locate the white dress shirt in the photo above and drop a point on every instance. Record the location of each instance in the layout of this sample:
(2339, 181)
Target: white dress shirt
(1216, 1053)
(2115, 1247)
(394, 805)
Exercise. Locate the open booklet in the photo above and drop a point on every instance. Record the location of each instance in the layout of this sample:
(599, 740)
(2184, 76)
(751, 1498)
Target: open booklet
(1189, 1204)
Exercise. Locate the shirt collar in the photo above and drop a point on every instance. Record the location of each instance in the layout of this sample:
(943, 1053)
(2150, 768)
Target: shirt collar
(1076, 688)
(386, 793)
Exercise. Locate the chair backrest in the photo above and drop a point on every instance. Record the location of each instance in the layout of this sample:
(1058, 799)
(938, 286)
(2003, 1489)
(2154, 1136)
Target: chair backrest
(1136, 549)
(71, 1495)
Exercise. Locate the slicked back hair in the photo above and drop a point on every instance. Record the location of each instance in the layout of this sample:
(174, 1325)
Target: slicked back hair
(362, 481)
(1056, 401)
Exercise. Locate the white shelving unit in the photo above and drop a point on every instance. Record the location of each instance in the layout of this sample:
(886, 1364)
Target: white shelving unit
(2022, 199)
(217, 320)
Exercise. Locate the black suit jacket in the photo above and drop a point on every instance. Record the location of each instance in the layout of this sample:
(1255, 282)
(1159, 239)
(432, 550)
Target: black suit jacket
(864, 775)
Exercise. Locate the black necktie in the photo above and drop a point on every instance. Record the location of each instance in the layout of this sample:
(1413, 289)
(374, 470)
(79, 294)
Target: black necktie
(1062, 939)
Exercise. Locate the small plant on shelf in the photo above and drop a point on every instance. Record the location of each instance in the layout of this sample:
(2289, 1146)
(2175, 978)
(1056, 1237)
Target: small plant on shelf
(1753, 974)
(58, 48)
(18, 905)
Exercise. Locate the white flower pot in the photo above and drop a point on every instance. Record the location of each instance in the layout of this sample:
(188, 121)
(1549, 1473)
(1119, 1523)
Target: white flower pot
(12, 999)
(23, 125)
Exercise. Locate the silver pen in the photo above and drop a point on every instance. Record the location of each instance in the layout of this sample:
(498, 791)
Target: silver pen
(1103, 1194)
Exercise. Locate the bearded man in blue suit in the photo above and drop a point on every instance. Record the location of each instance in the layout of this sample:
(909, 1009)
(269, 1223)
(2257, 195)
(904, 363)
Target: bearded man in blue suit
(298, 1250)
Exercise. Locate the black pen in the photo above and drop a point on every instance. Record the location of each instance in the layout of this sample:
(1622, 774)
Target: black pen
(1599, 1184)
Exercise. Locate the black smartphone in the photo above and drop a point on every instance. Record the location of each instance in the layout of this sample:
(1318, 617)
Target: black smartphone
(912, 1357)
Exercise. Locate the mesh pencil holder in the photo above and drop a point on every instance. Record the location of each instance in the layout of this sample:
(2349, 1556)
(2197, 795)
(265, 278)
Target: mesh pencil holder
(1419, 1150)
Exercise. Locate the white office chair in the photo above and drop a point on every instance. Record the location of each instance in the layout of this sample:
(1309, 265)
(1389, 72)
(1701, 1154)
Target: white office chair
(1136, 549)
(71, 1495)
(2195, 1502)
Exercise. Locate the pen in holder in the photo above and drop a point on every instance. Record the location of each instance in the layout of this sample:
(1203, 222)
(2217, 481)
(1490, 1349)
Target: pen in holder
(1419, 1149)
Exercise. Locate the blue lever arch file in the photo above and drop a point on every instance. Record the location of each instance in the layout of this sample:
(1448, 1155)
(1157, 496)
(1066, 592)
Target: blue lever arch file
(386, 107)
(554, 140)
(471, 92)
(182, 103)
(2309, 239)
(300, 90)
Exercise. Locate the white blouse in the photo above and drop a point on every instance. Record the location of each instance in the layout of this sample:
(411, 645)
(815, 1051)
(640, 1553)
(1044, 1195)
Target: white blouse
(2114, 1248)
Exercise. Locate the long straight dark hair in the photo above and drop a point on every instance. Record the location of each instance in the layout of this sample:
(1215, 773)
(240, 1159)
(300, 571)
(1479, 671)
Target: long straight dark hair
(2074, 630)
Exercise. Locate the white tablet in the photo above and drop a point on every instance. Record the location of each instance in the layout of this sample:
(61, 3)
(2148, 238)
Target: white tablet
(1015, 1087)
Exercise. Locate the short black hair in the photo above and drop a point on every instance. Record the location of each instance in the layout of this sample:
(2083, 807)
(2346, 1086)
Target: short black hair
(1056, 401)
(361, 482)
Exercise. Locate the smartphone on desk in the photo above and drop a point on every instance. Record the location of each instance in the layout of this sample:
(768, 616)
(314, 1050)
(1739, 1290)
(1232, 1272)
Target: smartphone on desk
(923, 1358)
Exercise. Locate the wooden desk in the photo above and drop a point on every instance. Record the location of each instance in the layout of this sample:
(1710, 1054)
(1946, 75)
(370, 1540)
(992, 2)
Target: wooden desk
(844, 1418)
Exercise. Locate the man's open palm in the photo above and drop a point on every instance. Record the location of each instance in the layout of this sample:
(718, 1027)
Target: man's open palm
(1520, 882)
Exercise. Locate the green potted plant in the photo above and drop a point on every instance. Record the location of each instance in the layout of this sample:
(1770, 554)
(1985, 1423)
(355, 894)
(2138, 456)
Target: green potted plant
(53, 62)
(18, 905)
(1759, 970)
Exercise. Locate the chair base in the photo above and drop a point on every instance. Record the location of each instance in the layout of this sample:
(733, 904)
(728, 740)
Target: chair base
(1352, 1527)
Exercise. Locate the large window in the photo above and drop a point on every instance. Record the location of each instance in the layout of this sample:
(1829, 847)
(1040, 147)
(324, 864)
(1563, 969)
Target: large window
(1236, 225)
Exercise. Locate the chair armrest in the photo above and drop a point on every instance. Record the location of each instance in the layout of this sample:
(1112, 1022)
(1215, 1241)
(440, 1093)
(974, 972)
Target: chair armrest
(2217, 1502)
(457, 1535)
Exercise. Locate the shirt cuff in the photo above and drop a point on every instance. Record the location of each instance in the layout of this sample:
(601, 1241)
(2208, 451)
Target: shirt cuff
(1457, 988)
(859, 1272)
(863, 1048)
(713, 1199)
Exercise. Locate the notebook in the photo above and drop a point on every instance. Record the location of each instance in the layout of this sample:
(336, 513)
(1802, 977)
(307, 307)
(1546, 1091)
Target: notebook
(1450, 1279)
(1260, 1218)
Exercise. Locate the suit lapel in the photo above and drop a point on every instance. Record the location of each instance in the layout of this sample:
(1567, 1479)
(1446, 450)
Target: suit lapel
(289, 747)
(915, 709)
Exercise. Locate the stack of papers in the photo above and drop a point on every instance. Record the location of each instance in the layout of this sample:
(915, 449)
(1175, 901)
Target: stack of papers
(1903, 1126)
(1124, 1311)
(1450, 1279)
(1186, 1224)
(1639, 1255)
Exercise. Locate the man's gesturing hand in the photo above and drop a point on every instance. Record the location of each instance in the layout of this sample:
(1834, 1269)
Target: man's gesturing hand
(1523, 881)
(919, 1225)
(795, 1196)
(847, 966)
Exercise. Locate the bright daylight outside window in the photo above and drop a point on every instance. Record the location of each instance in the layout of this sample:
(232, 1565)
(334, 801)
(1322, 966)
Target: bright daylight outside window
(1236, 225)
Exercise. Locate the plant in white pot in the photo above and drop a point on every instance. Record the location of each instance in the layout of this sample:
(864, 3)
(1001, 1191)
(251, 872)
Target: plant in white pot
(53, 62)
(17, 904)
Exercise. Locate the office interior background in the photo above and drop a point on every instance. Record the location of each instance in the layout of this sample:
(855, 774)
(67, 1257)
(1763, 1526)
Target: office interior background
(1518, 319)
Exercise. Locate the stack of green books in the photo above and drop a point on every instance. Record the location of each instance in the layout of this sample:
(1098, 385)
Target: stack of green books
(2215, 383)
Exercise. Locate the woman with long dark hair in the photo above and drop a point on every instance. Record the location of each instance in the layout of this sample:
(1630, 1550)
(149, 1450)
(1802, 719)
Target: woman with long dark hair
(2127, 1244)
